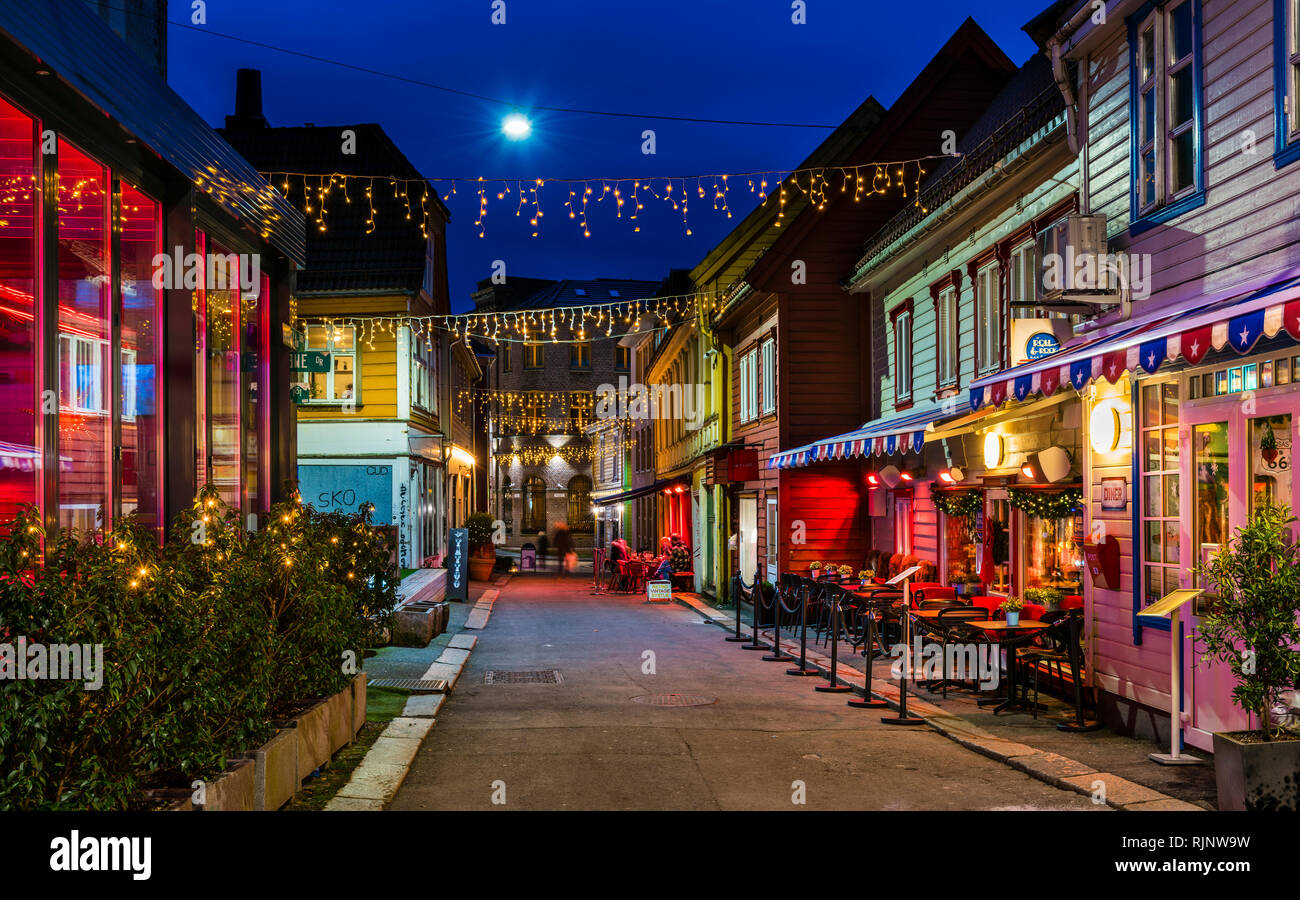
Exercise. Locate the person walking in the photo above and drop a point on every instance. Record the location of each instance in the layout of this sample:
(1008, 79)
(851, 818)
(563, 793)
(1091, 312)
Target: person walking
(543, 548)
(563, 546)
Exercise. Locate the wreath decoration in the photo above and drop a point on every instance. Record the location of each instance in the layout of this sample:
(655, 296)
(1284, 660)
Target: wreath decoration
(963, 505)
(1056, 505)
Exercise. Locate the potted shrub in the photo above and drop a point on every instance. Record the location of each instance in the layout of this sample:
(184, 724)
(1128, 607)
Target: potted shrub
(865, 576)
(482, 552)
(1012, 607)
(1250, 626)
(967, 585)
(846, 572)
(814, 569)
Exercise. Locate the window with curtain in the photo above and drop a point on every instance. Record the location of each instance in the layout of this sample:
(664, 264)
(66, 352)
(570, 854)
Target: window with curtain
(988, 316)
(903, 355)
(945, 337)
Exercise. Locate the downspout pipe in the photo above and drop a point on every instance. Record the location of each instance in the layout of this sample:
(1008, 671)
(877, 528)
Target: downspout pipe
(1054, 45)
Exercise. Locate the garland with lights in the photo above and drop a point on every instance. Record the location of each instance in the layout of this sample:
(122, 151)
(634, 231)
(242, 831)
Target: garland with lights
(815, 185)
(1047, 504)
(571, 454)
(964, 505)
(556, 325)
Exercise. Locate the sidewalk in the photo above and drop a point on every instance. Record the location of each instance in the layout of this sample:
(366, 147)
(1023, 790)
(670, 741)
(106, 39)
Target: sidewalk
(1070, 760)
(386, 765)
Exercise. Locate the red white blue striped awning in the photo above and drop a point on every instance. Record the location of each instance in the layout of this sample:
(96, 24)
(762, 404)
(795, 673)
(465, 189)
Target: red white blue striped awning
(1238, 321)
(881, 437)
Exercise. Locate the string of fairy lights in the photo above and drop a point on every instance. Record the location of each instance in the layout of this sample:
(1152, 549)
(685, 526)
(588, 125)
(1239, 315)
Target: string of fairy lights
(563, 324)
(627, 196)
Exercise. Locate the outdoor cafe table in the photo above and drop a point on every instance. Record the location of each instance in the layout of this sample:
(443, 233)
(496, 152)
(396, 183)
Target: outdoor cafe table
(1001, 632)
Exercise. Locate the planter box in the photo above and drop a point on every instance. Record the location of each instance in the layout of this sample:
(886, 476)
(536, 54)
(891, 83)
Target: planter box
(172, 799)
(358, 703)
(275, 778)
(414, 625)
(339, 708)
(1259, 777)
(232, 790)
(313, 731)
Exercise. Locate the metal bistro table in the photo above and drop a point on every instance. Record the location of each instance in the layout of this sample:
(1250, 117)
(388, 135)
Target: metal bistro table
(997, 629)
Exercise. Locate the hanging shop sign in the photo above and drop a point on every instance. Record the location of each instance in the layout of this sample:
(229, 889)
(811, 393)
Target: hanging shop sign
(317, 361)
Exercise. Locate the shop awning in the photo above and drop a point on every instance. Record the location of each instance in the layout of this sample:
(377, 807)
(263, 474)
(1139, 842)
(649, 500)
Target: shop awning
(880, 437)
(643, 491)
(1238, 320)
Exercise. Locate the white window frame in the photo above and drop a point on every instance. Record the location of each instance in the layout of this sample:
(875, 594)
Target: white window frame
(945, 337)
(1155, 84)
(1292, 32)
(421, 374)
(1022, 274)
(988, 319)
(748, 386)
(331, 349)
(767, 350)
(72, 349)
(903, 356)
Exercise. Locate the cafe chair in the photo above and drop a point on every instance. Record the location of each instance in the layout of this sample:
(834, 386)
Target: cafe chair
(1050, 648)
(953, 629)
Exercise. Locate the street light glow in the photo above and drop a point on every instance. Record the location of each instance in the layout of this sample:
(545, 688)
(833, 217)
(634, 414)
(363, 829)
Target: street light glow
(516, 126)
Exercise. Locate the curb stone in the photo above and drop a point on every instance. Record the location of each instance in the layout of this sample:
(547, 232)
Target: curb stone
(1051, 768)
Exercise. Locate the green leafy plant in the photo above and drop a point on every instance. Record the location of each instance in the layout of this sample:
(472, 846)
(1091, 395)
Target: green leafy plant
(814, 566)
(1047, 597)
(964, 505)
(480, 532)
(207, 639)
(1046, 504)
(1251, 621)
(1012, 604)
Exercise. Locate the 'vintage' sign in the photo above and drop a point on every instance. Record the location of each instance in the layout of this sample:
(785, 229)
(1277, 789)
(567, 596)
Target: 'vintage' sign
(458, 565)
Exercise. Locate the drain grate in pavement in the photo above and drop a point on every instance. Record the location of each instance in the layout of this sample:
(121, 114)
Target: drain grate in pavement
(675, 699)
(534, 676)
(415, 685)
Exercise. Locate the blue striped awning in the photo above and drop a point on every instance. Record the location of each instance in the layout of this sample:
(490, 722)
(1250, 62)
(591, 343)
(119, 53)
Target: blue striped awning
(896, 434)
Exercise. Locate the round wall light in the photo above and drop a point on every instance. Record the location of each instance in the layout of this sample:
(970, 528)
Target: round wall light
(1104, 427)
(993, 450)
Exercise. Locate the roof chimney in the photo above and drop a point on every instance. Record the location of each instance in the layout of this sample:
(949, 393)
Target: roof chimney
(248, 101)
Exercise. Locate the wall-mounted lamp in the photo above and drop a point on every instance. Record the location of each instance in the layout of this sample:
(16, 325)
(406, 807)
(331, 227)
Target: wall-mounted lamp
(952, 475)
(1104, 427)
(993, 450)
(890, 476)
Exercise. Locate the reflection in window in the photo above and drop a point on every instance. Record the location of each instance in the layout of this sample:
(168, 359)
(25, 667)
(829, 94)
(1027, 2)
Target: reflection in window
(85, 432)
(534, 505)
(20, 459)
(1160, 511)
(223, 324)
(1270, 442)
(1210, 446)
(141, 359)
(339, 382)
(1054, 554)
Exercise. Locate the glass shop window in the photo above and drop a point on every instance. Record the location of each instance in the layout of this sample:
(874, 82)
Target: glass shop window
(1161, 519)
(1054, 553)
(20, 443)
(84, 323)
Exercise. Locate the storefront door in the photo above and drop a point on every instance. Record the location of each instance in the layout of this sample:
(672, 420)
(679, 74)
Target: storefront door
(748, 538)
(1236, 453)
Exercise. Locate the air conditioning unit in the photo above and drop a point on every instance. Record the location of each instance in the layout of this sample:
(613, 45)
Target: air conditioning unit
(1075, 265)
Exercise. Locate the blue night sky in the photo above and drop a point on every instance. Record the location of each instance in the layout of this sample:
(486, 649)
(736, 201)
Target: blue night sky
(730, 59)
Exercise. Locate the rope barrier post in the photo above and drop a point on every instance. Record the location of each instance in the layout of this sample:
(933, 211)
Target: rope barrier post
(903, 718)
(735, 594)
(803, 669)
(867, 702)
(831, 686)
(777, 654)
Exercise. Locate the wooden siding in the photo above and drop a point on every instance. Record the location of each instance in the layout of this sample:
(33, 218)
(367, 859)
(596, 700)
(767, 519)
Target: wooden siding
(1244, 233)
(828, 499)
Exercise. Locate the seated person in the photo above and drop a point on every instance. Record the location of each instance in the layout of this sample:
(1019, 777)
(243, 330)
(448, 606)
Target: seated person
(618, 551)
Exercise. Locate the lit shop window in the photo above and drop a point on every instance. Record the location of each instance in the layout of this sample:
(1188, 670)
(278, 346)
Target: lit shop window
(1054, 553)
(20, 444)
(84, 322)
(141, 464)
(1161, 523)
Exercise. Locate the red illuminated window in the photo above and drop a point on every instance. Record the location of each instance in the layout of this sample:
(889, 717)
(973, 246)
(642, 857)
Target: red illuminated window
(20, 443)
